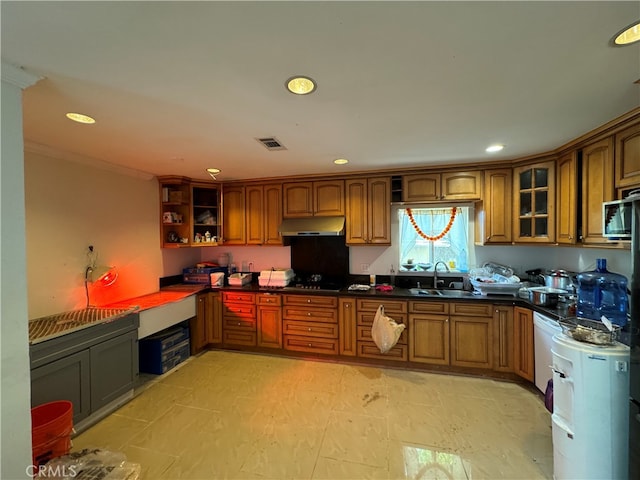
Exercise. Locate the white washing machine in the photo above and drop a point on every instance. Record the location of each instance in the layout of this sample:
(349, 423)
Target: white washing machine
(544, 328)
(590, 410)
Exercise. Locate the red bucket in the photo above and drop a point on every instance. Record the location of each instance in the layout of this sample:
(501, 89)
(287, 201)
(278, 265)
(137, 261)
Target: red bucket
(51, 428)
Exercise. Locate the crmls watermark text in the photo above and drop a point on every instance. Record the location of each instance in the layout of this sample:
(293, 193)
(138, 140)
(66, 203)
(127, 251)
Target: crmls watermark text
(53, 471)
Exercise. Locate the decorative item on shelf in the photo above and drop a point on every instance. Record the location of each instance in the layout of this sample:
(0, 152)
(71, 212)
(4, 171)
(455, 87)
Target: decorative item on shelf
(197, 238)
(175, 196)
(173, 237)
(98, 274)
(167, 217)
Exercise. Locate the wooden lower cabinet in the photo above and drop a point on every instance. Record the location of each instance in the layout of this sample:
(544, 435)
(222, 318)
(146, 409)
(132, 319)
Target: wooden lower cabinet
(503, 344)
(239, 319)
(198, 324)
(269, 320)
(523, 338)
(213, 326)
(310, 323)
(471, 335)
(347, 326)
(365, 313)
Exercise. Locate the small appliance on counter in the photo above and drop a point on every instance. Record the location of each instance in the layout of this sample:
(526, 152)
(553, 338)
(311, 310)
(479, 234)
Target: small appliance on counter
(239, 279)
(202, 275)
(276, 277)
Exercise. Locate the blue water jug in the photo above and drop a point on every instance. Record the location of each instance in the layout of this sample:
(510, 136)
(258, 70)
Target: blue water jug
(602, 292)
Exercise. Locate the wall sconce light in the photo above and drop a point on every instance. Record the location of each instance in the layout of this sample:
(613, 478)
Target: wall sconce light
(99, 274)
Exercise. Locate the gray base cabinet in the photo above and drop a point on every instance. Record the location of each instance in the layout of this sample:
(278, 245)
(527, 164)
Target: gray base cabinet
(90, 367)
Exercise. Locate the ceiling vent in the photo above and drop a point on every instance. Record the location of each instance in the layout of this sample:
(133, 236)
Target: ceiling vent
(271, 143)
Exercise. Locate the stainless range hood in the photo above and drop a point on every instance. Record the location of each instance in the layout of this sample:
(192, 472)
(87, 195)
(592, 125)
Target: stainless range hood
(312, 226)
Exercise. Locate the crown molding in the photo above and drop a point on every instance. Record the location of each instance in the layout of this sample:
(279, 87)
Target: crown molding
(18, 76)
(47, 151)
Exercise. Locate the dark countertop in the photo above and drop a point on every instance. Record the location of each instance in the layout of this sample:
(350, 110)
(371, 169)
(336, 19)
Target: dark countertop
(557, 313)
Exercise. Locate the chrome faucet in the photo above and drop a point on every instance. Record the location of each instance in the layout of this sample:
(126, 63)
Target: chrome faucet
(435, 273)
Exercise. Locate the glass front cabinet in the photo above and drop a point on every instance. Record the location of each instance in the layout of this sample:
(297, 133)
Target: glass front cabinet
(534, 202)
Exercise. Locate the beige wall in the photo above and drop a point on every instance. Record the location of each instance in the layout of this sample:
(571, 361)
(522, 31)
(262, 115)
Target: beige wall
(71, 205)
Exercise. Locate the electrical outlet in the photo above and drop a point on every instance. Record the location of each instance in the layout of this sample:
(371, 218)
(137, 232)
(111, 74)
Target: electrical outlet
(364, 267)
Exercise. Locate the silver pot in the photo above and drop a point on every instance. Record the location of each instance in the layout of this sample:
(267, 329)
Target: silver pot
(560, 279)
(545, 296)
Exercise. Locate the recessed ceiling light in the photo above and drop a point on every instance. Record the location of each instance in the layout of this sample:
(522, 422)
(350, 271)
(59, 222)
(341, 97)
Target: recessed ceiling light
(494, 148)
(300, 85)
(80, 118)
(630, 34)
(341, 161)
(213, 172)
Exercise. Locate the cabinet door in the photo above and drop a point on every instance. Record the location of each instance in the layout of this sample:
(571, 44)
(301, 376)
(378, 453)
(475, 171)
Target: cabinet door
(534, 203)
(233, 205)
(461, 185)
(213, 325)
(357, 221)
(198, 324)
(114, 369)
(272, 214)
(347, 326)
(269, 327)
(597, 187)
(495, 225)
(298, 199)
(254, 214)
(205, 217)
(66, 379)
(503, 348)
(628, 157)
(328, 198)
(523, 342)
(421, 188)
(567, 199)
(429, 339)
(379, 211)
(471, 342)
(175, 212)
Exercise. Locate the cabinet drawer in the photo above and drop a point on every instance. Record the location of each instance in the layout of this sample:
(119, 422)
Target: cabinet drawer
(239, 310)
(370, 350)
(310, 329)
(366, 318)
(268, 299)
(238, 297)
(315, 345)
(319, 301)
(237, 323)
(429, 307)
(472, 309)
(364, 334)
(390, 306)
(310, 314)
(238, 337)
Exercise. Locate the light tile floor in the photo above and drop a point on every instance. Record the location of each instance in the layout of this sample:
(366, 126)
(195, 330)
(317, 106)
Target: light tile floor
(246, 416)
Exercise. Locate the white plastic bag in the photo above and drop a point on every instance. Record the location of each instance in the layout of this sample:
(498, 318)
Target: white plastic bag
(385, 331)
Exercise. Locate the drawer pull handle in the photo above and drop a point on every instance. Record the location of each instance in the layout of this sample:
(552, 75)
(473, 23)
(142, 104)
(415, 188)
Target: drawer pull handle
(308, 314)
(309, 329)
(308, 300)
(309, 344)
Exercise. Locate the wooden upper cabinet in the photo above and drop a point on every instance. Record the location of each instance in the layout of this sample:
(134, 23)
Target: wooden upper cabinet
(272, 214)
(421, 188)
(627, 157)
(254, 214)
(534, 203)
(263, 214)
(307, 199)
(567, 200)
(368, 211)
(597, 187)
(233, 208)
(427, 187)
(494, 222)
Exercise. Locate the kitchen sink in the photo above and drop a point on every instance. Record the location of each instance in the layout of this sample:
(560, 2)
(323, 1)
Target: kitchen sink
(425, 291)
(433, 292)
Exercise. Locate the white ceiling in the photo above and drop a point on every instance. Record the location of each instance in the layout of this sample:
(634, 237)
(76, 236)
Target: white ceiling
(177, 87)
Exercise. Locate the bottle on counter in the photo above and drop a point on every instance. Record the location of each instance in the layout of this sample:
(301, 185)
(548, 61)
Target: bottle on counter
(602, 292)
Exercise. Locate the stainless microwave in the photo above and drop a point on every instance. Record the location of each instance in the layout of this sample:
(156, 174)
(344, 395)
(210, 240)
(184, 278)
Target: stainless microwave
(617, 217)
